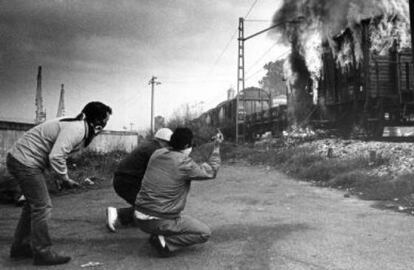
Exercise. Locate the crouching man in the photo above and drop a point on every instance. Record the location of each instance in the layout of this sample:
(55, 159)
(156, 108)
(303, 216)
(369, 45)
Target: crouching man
(164, 191)
(128, 177)
(45, 146)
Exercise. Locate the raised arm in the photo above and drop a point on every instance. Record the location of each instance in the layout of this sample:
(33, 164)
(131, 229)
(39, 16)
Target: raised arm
(206, 170)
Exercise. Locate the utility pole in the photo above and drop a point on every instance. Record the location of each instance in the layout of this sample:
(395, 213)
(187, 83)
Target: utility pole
(240, 73)
(240, 59)
(153, 82)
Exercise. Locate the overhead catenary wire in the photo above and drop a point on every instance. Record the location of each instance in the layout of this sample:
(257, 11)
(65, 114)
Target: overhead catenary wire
(230, 40)
(257, 20)
(223, 52)
(262, 56)
(250, 9)
(226, 48)
(283, 55)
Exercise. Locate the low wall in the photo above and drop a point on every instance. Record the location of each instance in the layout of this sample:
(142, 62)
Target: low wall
(105, 142)
(109, 140)
(10, 132)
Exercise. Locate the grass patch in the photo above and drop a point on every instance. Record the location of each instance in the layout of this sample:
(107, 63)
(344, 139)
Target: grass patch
(324, 170)
(381, 188)
(99, 167)
(94, 164)
(352, 174)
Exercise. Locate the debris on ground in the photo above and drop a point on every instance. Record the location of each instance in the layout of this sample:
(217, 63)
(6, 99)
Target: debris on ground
(91, 264)
(400, 156)
(88, 181)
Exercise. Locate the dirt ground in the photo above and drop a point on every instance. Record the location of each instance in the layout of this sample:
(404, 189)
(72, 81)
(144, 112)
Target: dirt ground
(260, 219)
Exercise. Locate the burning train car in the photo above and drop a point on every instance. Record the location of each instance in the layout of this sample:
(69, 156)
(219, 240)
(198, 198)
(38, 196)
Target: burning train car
(363, 91)
(256, 115)
(350, 69)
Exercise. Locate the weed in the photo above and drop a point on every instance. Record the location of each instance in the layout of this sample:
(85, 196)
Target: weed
(94, 164)
(304, 164)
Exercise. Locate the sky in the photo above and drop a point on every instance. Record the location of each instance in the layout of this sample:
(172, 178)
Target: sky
(107, 51)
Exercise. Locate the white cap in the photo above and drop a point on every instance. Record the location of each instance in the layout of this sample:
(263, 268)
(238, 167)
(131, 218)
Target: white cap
(163, 134)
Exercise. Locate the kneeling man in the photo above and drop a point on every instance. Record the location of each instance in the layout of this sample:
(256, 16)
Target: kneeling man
(164, 191)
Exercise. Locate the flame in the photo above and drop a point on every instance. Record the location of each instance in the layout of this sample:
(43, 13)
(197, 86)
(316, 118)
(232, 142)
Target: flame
(324, 20)
(384, 33)
(337, 23)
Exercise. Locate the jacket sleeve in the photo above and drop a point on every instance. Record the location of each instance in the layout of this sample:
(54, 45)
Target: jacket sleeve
(68, 138)
(204, 171)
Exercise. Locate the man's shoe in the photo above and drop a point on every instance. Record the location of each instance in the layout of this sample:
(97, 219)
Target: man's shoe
(158, 242)
(20, 201)
(49, 258)
(111, 218)
(21, 252)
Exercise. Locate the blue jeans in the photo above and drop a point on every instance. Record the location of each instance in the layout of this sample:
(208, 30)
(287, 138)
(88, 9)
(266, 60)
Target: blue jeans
(32, 227)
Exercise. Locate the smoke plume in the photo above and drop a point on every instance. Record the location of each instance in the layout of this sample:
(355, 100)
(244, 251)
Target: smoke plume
(321, 21)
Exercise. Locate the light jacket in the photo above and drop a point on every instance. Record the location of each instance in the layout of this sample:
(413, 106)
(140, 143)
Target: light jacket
(49, 144)
(167, 181)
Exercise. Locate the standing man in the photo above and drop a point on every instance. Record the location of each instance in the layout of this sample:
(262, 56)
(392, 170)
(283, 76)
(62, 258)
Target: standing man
(164, 191)
(128, 177)
(48, 145)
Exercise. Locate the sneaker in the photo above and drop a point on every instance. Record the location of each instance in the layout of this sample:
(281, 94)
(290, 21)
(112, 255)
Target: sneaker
(21, 252)
(20, 201)
(49, 258)
(111, 218)
(158, 242)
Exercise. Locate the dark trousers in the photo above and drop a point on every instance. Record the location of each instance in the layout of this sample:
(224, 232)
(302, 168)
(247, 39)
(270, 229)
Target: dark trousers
(33, 224)
(179, 232)
(10, 190)
(127, 187)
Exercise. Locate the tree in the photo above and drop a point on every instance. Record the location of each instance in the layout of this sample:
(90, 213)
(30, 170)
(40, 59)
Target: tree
(183, 115)
(273, 82)
(187, 115)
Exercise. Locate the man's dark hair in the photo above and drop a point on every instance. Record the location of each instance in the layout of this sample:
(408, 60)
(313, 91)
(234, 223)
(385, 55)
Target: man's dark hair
(94, 113)
(181, 138)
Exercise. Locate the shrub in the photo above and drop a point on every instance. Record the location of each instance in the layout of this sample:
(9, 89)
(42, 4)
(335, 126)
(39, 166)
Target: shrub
(382, 188)
(94, 164)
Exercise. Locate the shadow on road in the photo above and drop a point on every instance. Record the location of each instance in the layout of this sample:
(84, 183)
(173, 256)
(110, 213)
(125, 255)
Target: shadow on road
(260, 240)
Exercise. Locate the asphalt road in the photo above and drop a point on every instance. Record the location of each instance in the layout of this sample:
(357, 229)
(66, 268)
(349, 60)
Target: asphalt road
(260, 219)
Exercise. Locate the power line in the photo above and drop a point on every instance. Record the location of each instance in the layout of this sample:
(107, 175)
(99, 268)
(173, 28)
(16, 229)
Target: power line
(230, 40)
(250, 9)
(283, 55)
(261, 57)
(258, 20)
(194, 81)
(223, 51)
(257, 71)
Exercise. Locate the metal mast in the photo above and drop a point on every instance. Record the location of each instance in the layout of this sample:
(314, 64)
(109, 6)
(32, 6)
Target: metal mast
(61, 107)
(240, 73)
(153, 82)
(40, 113)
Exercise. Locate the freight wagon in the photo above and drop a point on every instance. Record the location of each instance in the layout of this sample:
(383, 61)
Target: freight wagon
(370, 93)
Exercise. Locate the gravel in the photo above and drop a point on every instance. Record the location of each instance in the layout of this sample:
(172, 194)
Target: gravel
(400, 156)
